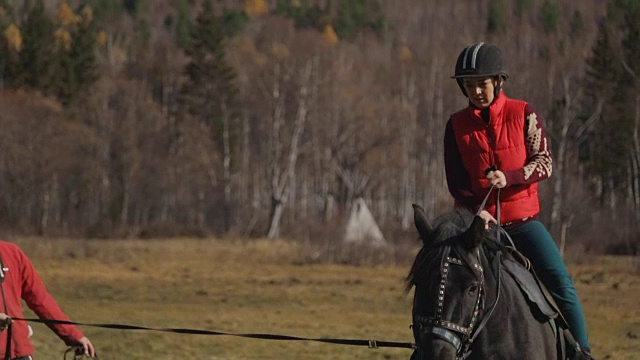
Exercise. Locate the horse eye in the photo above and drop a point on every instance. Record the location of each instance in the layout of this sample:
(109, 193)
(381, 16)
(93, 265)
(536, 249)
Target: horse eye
(473, 288)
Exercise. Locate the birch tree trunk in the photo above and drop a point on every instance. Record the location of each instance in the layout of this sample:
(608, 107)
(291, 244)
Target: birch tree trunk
(560, 158)
(282, 180)
(409, 103)
(635, 165)
(226, 167)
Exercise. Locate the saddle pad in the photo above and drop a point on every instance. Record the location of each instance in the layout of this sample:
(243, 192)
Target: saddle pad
(529, 286)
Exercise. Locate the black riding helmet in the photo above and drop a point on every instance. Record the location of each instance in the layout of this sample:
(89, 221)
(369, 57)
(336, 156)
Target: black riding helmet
(480, 60)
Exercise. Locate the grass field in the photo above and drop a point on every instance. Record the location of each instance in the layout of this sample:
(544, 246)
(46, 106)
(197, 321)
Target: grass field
(261, 287)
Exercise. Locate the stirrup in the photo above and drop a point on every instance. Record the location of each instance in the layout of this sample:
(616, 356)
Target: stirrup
(585, 354)
(580, 354)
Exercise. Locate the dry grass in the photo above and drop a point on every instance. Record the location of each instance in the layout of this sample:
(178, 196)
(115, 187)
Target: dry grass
(260, 287)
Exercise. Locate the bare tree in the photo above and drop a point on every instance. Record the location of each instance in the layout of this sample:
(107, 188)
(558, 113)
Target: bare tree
(283, 175)
(635, 166)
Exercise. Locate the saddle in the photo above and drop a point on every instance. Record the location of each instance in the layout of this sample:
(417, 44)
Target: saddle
(518, 266)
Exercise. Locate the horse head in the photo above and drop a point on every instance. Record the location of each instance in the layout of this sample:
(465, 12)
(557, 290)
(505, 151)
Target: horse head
(448, 275)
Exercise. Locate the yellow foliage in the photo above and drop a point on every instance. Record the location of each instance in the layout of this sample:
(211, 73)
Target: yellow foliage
(296, 3)
(86, 14)
(66, 16)
(405, 54)
(120, 55)
(330, 35)
(62, 39)
(243, 43)
(14, 38)
(256, 7)
(101, 38)
(280, 51)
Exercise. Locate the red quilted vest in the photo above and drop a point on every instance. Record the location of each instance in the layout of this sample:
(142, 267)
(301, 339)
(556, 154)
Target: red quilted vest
(502, 143)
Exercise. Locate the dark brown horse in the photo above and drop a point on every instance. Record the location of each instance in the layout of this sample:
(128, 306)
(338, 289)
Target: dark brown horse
(473, 297)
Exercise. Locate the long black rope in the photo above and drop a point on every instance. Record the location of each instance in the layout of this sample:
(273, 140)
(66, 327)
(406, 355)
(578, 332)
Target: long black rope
(372, 344)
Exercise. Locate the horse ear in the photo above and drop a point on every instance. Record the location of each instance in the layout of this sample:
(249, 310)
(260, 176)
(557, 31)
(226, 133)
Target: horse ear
(420, 220)
(475, 233)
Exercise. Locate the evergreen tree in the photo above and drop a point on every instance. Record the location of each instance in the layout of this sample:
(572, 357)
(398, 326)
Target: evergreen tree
(496, 21)
(210, 86)
(521, 7)
(627, 95)
(303, 15)
(576, 26)
(356, 15)
(630, 24)
(602, 68)
(612, 81)
(183, 22)
(602, 74)
(75, 66)
(34, 68)
(234, 21)
(209, 93)
(136, 7)
(550, 15)
(104, 8)
(11, 44)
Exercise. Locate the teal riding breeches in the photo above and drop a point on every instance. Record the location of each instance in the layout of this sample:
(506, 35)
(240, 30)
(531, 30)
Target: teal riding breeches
(534, 241)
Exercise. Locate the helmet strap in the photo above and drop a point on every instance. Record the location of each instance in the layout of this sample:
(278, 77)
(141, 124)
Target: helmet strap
(459, 81)
(498, 87)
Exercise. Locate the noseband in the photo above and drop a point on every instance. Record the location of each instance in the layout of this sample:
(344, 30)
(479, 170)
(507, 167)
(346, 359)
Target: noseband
(461, 336)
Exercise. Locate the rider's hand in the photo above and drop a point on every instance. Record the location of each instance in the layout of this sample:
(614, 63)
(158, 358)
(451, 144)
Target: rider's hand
(488, 218)
(87, 347)
(5, 320)
(497, 178)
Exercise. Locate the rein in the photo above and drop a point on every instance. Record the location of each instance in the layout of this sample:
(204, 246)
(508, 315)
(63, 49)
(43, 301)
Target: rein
(370, 343)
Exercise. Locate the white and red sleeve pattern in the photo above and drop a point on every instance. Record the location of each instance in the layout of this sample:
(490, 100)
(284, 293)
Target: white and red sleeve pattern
(538, 166)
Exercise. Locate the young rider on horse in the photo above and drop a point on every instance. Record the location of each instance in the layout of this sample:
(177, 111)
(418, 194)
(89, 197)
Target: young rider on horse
(498, 142)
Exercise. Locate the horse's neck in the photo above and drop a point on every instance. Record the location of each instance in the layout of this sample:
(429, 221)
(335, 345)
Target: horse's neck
(513, 330)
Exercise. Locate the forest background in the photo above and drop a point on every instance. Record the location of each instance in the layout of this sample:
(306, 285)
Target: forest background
(140, 118)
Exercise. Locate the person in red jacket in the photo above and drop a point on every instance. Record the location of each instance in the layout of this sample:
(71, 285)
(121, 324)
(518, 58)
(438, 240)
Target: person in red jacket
(19, 281)
(499, 143)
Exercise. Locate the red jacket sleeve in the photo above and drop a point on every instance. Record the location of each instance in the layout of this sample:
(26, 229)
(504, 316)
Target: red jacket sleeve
(42, 303)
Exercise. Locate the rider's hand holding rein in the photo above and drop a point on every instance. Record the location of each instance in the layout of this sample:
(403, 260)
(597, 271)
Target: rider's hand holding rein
(4, 321)
(84, 342)
(87, 346)
(497, 178)
(488, 219)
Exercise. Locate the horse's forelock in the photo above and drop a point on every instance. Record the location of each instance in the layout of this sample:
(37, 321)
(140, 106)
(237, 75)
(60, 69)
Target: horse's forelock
(444, 227)
(451, 224)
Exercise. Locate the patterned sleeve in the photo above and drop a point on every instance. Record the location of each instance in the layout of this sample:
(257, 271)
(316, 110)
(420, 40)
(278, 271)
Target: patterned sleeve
(538, 166)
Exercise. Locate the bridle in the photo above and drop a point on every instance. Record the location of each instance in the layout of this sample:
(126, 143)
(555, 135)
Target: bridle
(462, 336)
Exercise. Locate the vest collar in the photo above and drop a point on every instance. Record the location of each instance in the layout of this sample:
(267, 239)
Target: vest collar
(494, 109)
